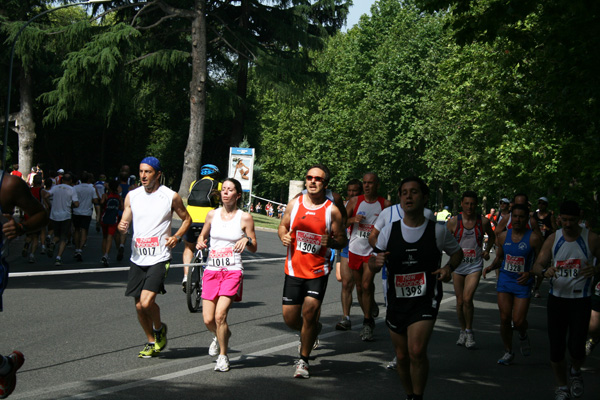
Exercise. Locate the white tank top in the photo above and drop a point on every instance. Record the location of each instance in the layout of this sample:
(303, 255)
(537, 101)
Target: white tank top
(359, 238)
(223, 236)
(570, 257)
(152, 215)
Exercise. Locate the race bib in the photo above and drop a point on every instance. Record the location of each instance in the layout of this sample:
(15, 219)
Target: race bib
(147, 246)
(568, 268)
(469, 257)
(410, 285)
(597, 289)
(364, 230)
(221, 257)
(308, 242)
(514, 264)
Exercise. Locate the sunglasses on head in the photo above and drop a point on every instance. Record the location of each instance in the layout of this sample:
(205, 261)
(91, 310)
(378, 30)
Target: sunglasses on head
(315, 178)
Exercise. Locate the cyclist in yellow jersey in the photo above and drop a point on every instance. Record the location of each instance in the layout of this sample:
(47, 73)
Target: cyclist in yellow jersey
(204, 197)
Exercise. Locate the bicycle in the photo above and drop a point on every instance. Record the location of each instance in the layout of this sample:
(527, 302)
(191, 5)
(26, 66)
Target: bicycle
(193, 284)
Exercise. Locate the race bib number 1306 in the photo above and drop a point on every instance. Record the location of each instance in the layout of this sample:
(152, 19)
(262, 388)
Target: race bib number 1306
(308, 242)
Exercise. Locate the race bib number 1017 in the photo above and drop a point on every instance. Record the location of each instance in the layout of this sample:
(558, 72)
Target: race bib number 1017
(147, 246)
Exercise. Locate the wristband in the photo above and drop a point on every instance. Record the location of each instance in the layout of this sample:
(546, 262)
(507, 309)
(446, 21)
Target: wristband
(178, 238)
(249, 240)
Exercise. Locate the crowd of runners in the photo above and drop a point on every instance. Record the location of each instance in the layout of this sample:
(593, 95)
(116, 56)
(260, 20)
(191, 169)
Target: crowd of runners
(358, 237)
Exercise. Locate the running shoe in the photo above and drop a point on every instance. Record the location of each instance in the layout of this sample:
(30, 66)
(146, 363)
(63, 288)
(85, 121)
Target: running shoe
(9, 381)
(589, 346)
(31, 259)
(301, 369)
(222, 363)
(149, 351)
(25, 249)
(536, 294)
(507, 358)
(213, 349)
(470, 341)
(392, 364)
(525, 346)
(78, 257)
(367, 333)
(343, 325)
(184, 286)
(120, 253)
(462, 338)
(104, 261)
(161, 338)
(58, 262)
(576, 384)
(560, 394)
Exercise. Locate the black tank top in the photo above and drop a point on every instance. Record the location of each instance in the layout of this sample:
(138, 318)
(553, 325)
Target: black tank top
(405, 258)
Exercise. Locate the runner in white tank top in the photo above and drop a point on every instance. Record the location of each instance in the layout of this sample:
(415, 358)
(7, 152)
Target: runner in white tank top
(468, 229)
(567, 258)
(231, 231)
(151, 209)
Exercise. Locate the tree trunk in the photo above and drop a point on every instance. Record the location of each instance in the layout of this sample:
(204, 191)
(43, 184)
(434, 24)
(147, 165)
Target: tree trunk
(237, 126)
(193, 150)
(26, 125)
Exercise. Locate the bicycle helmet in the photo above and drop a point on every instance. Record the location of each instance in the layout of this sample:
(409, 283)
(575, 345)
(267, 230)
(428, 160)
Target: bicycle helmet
(209, 169)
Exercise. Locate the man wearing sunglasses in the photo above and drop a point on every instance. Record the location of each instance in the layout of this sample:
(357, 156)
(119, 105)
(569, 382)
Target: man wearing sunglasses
(311, 225)
(362, 213)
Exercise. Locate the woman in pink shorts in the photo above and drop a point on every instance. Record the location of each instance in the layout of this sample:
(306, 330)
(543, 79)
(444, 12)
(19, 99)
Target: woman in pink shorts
(231, 231)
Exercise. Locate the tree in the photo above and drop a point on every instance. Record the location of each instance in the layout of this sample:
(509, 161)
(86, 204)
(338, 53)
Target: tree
(184, 23)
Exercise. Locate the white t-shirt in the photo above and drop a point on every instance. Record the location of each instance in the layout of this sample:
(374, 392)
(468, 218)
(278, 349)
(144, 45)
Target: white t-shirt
(86, 192)
(393, 213)
(444, 239)
(63, 196)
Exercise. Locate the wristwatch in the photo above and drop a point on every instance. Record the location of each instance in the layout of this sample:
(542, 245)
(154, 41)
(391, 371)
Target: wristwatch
(178, 238)
(249, 240)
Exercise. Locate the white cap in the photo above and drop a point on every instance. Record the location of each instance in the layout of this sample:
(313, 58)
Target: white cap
(545, 200)
(61, 171)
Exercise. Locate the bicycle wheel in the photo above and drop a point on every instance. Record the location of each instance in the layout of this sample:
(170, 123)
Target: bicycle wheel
(193, 288)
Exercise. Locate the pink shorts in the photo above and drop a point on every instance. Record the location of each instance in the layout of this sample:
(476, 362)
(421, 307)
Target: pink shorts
(355, 261)
(222, 283)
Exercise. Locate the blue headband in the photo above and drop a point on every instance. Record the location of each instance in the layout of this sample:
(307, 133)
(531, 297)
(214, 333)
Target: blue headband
(153, 162)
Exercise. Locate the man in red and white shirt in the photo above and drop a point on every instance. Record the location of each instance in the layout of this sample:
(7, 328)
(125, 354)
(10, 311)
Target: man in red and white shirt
(310, 227)
(362, 213)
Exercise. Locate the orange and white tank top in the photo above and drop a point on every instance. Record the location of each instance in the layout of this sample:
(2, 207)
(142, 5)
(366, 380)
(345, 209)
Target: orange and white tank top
(306, 258)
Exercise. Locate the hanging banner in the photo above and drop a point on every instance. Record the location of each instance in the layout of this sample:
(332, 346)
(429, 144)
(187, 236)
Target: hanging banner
(241, 164)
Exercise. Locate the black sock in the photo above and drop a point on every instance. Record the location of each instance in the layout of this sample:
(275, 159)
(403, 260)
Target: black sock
(417, 397)
(305, 359)
(369, 321)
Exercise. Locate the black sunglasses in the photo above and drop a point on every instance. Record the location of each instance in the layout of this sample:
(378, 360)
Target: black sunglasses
(315, 178)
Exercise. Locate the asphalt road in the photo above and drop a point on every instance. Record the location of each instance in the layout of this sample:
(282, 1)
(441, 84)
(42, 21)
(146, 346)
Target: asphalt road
(80, 337)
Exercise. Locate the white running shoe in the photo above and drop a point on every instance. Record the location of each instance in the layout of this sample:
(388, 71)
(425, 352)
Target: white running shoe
(393, 364)
(301, 369)
(222, 363)
(367, 333)
(462, 338)
(560, 394)
(507, 358)
(213, 349)
(470, 341)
